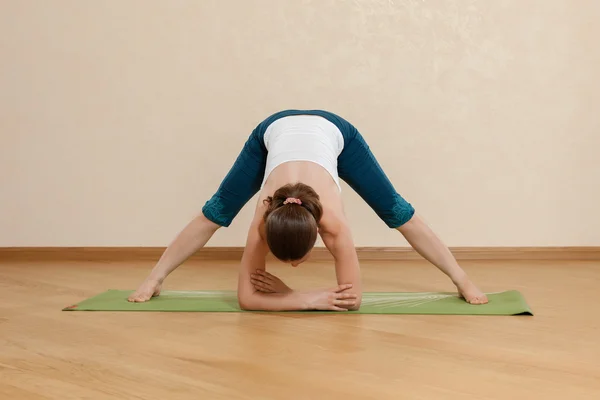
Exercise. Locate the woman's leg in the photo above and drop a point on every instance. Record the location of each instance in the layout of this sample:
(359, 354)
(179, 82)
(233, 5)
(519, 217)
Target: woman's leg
(191, 239)
(431, 247)
(240, 185)
(359, 168)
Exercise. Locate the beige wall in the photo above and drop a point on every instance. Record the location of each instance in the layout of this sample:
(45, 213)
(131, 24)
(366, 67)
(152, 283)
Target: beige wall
(120, 118)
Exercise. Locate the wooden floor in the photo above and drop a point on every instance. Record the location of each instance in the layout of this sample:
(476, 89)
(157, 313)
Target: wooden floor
(49, 354)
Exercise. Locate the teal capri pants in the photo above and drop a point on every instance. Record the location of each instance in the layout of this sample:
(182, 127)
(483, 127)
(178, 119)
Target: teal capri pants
(357, 167)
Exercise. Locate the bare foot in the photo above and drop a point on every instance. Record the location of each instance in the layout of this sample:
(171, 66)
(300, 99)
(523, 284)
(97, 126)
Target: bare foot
(148, 289)
(471, 293)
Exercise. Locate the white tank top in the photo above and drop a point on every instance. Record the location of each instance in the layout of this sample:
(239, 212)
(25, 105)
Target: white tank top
(303, 138)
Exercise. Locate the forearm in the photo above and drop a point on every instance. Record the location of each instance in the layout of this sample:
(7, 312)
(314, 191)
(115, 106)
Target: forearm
(193, 237)
(257, 301)
(348, 271)
(430, 247)
(347, 267)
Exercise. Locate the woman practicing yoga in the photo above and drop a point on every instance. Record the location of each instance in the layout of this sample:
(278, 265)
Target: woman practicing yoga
(296, 158)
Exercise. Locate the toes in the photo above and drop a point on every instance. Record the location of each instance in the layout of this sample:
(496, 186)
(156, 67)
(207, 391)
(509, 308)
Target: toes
(478, 300)
(138, 299)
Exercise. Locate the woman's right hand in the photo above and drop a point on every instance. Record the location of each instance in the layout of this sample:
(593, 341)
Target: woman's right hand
(334, 299)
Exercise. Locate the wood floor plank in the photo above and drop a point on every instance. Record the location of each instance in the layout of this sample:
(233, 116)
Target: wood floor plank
(49, 354)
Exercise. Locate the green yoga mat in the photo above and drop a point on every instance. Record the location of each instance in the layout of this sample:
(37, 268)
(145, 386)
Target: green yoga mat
(503, 303)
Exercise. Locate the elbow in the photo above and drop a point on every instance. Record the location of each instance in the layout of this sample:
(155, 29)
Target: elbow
(245, 303)
(250, 302)
(356, 306)
(245, 306)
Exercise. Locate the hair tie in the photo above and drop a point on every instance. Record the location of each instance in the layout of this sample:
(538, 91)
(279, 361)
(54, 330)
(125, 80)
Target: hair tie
(291, 200)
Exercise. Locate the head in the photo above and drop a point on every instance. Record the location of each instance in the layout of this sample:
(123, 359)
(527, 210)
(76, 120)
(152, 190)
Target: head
(292, 222)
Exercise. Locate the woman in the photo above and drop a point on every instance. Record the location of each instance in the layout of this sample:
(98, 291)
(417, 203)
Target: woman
(296, 159)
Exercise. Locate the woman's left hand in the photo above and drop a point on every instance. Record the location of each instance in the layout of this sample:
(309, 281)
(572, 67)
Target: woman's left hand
(268, 283)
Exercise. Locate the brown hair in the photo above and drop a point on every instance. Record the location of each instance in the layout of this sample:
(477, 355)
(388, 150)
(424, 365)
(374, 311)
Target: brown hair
(292, 228)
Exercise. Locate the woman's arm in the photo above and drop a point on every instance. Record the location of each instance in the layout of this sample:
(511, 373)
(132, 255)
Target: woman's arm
(337, 237)
(253, 259)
